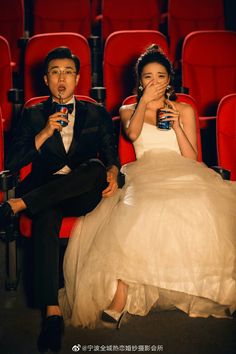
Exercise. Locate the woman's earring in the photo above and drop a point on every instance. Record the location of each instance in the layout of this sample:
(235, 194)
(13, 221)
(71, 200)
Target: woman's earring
(140, 87)
(168, 92)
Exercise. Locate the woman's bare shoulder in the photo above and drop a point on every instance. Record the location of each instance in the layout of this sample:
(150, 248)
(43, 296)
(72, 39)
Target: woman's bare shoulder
(126, 111)
(128, 107)
(185, 109)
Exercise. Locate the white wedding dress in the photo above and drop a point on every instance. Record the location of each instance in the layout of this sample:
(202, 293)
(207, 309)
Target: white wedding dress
(170, 234)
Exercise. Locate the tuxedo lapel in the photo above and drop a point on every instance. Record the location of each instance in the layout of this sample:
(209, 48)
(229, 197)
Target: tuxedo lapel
(80, 117)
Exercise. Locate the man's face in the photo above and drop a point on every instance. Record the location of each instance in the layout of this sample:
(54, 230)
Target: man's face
(61, 79)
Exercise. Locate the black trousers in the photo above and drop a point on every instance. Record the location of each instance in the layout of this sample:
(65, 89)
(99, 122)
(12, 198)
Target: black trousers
(74, 194)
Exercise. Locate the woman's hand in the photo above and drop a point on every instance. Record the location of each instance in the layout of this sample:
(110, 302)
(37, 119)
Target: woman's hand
(173, 114)
(153, 91)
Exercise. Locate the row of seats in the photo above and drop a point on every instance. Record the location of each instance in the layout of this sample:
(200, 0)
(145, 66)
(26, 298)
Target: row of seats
(208, 66)
(226, 149)
(80, 16)
(51, 17)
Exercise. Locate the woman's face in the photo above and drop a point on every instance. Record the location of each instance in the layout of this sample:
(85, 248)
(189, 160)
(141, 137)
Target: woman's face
(154, 72)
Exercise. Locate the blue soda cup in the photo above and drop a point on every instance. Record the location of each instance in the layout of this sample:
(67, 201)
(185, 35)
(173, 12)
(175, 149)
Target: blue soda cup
(161, 122)
(64, 111)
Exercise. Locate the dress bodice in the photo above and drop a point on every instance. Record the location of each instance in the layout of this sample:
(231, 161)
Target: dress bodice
(153, 138)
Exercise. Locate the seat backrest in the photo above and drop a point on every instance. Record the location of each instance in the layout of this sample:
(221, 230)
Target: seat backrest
(125, 147)
(186, 16)
(62, 16)
(120, 15)
(36, 50)
(6, 83)
(226, 134)
(121, 52)
(96, 9)
(1, 151)
(1, 143)
(12, 26)
(35, 100)
(209, 67)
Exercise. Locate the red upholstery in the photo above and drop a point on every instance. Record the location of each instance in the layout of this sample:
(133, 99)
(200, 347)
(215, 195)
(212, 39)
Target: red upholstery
(6, 83)
(126, 149)
(226, 134)
(37, 48)
(186, 16)
(121, 51)
(1, 150)
(96, 8)
(62, 16)
(1, 143)
(209, 68)
(25, 222)
(129, 15)
(12, 26)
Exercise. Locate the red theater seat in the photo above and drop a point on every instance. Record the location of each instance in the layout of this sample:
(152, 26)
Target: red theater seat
(25, 222)
(120, 15)
(186, 16)
(1, 144)
(126, 149)
(6, 84)
(12, 26)
(62, 16)
(36, 50)
(226, 134)
(121, 52)
(209, 68)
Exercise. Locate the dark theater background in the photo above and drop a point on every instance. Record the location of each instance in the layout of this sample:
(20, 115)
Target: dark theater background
(108, 36)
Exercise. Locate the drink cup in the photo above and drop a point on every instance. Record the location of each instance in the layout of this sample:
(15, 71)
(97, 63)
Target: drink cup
(64, 112)
(161, 122)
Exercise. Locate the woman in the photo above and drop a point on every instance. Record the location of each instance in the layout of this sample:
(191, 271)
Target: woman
(168, 237)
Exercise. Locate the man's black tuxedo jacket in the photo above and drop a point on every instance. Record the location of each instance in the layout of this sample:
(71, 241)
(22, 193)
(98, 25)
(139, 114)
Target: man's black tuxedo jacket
(93, 136)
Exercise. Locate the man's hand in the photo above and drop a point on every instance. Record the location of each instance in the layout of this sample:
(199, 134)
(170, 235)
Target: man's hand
(51, 125)
(112, 187)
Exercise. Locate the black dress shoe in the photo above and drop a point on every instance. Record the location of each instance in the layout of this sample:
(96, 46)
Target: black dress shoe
(6, 214)
(51, 333)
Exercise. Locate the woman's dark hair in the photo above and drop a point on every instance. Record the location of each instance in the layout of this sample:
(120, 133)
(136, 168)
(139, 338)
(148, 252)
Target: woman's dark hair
(61, 53)
(154, 54)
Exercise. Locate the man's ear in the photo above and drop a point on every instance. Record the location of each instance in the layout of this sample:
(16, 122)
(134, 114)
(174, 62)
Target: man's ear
(45, 79)
(77, 78)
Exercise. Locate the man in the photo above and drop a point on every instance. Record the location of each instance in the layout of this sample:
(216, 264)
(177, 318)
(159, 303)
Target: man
(73, 167)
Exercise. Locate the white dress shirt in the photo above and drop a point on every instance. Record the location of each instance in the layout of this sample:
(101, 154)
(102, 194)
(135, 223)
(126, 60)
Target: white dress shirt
(67, 136)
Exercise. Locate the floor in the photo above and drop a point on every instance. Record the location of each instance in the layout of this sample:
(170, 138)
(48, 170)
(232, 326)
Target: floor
(171, 332)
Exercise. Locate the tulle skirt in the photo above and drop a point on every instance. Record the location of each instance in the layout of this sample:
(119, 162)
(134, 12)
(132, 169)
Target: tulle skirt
(169, 233)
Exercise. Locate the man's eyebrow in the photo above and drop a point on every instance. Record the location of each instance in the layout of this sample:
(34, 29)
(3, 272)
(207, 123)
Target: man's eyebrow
(58, 66)
(159, 72)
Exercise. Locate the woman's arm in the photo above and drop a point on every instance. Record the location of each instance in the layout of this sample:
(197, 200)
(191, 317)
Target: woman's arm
(132, 118)
(184, 124)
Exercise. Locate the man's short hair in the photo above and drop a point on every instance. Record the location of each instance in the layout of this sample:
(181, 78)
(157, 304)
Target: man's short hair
(61, 53)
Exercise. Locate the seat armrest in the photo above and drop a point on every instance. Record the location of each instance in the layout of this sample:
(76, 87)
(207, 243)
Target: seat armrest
(225, 174)
(8, 180)
(16, 96)
(99, 94)
(96, 58)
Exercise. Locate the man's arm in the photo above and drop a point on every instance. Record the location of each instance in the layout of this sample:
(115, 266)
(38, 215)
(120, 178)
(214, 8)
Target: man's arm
(108, 152)
(22, 150)
(30, 135)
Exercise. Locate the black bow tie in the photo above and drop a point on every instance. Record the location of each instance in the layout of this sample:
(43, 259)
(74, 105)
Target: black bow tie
(69, 106)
